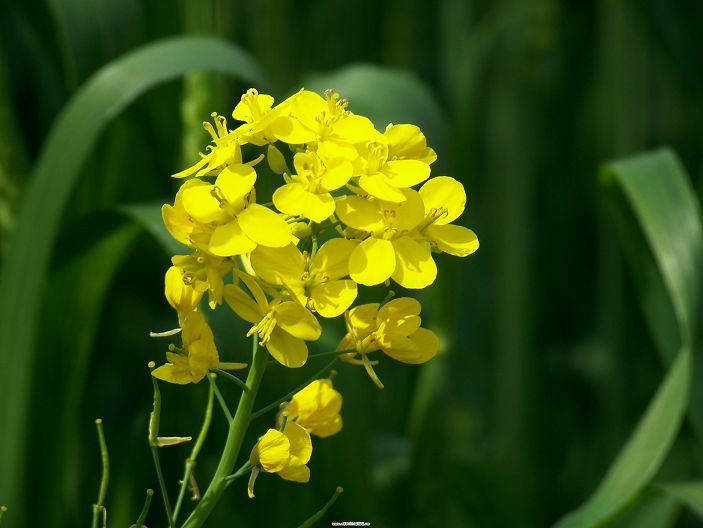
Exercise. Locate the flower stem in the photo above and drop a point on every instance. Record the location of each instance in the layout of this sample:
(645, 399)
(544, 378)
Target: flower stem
(154, 422)
(145, 509)
(312, 520)
(190, 463)
(235, 436)
(279, 401)
(220, 398)
(99, 506)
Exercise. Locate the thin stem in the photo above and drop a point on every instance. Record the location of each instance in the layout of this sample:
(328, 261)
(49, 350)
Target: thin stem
(332, 353)
(230, 377)
(312, 520)
(145, 509)
(3, 509)
(190, 462)
(235, 437)
(220, 399)
(154, 421)
(239, 473)
(162, 484)
(275, 404)
(99, 506)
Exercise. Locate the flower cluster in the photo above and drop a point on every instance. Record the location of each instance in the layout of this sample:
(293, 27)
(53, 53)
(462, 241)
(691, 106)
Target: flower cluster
(286, 215)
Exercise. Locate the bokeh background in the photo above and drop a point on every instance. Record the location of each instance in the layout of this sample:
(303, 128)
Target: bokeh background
(547, 362)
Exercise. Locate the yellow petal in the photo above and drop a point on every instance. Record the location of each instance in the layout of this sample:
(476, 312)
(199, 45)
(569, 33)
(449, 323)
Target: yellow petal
(337, 174)
(408, 214)
(318, 207)
(289, 198)
(332, 150)
(264, 226)
(372, 262)
(359, 213)
(453, 239)
(243, 305)
(333, 298)
(297, 321)
(377, 185)
(300, 444)
(400, 348)
(201, 205)
(182, 297)
(229, 239)
(406, 173)
(273, 450)
(236, 181)
(414, 266)
(408, 142)
(333, 258)
(256, 290)
(298, 473)
(363, 318)
(272, 264)
(328, 427)
(443, 192)
(171, 373)
(427, 342)
(201, 356)
(354, 128)
(290, 130)
(194, 168)
(289, 351)
(400, 315)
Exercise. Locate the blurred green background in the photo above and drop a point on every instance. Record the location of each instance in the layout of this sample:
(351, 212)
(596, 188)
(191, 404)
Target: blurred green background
(547, 361)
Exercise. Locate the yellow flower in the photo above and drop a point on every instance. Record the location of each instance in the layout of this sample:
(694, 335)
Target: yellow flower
(308, 191)
(393, 248)
(199, 353)
(444, 200)
(324, 121)
(182, 294)
(283, 452)
(240, 223)
(316, 407)
(227, 149)
(408, 142)
(205, 273)
(283, 325)
(258, 113)
(315, 282)
(180, 224)
(388, 166)
(393, 328)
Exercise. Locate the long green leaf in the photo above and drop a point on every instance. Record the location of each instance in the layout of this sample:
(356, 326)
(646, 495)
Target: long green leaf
(657, 193)
(30, 246)
(688, 493)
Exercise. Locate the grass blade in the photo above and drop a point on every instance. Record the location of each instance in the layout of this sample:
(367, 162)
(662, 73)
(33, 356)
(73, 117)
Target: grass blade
(30, 246)
(657, 195)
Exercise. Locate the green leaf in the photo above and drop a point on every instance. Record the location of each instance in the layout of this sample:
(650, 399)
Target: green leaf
(81, 284)
(386, 96)
(688, 493)
(30, 246)
(652, 510)
(665, 243)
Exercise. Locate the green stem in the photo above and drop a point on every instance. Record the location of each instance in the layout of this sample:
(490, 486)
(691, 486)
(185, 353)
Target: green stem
(230, 377)
(235, 437)
(190, 462)
(220, 398)
(240, 472)
(145, 509)
(98, 507)
(154, 422)
(279, 401)
(312, 520)
(3, 509)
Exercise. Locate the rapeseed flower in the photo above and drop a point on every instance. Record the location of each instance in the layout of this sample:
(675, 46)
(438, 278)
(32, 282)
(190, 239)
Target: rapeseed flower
(283, 452)
(316, 407)
(393, 328)
(199, 353)
(283, 325)
(316, 282)
(240, 223)
(203, 272)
